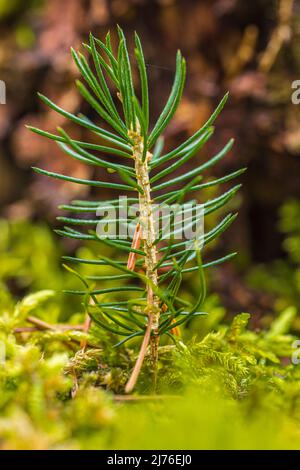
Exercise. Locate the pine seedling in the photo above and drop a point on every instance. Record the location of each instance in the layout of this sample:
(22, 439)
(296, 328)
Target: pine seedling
(150, 262)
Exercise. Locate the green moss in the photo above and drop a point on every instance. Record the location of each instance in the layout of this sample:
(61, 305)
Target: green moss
(220, 387)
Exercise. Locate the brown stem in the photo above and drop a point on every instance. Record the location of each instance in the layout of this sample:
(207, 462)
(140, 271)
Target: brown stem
(136, 241)
(138, 365)
(30, 329)
(85, 328)
(280, 35)
(154, 357)
(147, 235)
(40, 323)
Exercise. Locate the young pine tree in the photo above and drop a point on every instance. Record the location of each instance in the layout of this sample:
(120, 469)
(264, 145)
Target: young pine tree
(148, 263)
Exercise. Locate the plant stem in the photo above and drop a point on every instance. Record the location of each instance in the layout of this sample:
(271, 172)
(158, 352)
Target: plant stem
(139, 362)
(148, 236)
(85, 328)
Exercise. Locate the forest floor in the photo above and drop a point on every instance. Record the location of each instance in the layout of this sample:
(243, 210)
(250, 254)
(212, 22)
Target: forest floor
(221, 386)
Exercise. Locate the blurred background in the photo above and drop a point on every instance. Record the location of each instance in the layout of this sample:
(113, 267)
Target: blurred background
(249, 48)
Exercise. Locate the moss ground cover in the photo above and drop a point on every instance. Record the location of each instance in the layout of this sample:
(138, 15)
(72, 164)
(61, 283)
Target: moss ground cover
(221, 385)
